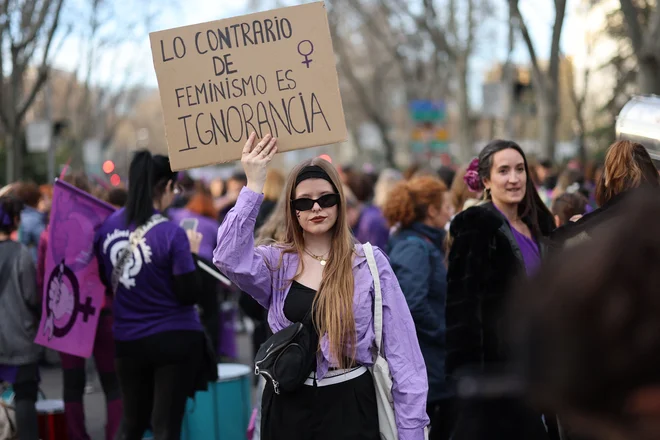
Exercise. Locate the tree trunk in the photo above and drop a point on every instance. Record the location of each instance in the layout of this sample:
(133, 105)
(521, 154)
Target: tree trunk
(548, 119)
(17, 146)
(463, 102)
(9, 165)
(388, 146)
(648, 80)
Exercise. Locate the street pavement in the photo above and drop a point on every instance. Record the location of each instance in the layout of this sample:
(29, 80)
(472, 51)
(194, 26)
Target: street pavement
(51, 385)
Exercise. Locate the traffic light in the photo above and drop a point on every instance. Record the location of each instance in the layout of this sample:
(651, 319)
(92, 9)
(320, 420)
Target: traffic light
(108, 166)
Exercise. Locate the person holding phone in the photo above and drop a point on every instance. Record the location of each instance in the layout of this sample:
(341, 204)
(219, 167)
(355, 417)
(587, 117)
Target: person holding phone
(148, 263)
(199, 215)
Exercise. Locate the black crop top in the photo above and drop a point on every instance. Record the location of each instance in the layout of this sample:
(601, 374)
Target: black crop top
(298, 302)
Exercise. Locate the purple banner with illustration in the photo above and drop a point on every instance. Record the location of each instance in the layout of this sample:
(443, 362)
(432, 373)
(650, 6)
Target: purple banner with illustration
(73, 293)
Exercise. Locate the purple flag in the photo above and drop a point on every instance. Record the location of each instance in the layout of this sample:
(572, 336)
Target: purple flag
(73, 293)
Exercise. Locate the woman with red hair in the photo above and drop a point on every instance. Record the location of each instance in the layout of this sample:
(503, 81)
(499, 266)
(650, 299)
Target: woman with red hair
(628, 167)
(420, 208)
(199, 214)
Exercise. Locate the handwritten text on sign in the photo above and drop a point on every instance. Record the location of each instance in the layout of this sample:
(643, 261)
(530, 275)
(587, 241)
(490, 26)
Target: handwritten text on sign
(270, 72)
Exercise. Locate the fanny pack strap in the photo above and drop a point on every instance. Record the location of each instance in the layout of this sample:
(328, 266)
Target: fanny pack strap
(134, 240)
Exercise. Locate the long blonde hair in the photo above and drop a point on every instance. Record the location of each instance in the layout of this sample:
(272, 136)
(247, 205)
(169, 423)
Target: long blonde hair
(274, 185)
(333, 303)
(274, 229)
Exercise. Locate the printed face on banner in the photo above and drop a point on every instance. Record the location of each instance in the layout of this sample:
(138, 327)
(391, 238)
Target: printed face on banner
(270, 73)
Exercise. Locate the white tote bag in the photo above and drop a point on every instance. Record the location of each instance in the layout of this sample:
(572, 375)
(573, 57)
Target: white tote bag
(381, 369)
(8, 429)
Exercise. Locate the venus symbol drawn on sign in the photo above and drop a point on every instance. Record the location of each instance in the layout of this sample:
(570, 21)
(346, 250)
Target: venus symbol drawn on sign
(308, 60)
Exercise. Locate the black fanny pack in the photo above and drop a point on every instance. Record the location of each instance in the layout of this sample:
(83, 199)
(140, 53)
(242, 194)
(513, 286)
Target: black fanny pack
(288, 357)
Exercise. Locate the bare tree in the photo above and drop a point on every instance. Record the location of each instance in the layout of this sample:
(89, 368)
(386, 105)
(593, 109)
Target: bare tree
(644, 36)
(386, 61)
(97, 105)
(452, 36)
(27, 31)
(546, 81)
(579, 101)
(623, 67)
(411, 47)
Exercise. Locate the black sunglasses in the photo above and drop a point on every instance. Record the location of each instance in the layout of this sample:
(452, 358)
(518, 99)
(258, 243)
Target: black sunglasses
(305, 204)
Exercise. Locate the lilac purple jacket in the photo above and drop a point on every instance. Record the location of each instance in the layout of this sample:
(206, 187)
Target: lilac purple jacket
(248, 268)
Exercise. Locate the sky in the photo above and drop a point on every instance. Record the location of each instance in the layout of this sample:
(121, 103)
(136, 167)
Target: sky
(539, 15)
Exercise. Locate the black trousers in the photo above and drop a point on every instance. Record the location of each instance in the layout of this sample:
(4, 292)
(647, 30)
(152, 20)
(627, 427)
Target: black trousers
(156, 375)
(502, 418)
(26, 389)
(344, 411)
(442, 414)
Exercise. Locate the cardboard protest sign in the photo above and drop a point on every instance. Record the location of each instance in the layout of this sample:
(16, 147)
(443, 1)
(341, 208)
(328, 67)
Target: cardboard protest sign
(73, 293)
(270, 72)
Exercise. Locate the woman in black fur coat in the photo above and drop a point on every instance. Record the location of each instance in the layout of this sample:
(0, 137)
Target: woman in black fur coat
(492, 244)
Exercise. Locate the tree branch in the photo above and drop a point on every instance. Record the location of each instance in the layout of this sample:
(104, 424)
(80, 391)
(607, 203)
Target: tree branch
(553, 69)
(51, 32)
(378, 32)
(43, 69)
(536, 69)
(653, 36)
(3, 29)
(35, 27)
(438, 38)
(375, 114)
(633, 26)
(42, 76)
(624, 78)
(469, 43)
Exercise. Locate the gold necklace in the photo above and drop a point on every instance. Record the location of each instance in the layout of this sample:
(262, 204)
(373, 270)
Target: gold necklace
(318, 258)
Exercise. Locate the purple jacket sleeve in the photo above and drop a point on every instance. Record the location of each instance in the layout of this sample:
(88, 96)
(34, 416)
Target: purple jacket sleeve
(235, 255)
(401, 349)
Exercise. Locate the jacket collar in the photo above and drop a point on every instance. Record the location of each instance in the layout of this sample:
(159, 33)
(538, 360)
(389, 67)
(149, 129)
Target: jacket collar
(434, 235)
(505, 228)
(360, 257)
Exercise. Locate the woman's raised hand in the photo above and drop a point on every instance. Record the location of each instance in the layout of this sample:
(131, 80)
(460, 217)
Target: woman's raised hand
(255, 160)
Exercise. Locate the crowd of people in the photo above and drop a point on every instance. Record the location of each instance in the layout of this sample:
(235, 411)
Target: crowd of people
(492, 326)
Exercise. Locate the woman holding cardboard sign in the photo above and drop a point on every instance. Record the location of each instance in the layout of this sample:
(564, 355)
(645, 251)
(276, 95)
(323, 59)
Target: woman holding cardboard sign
(320, 294)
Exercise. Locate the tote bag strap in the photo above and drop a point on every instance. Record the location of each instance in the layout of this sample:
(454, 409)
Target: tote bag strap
(134, 240)
(378, 297)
